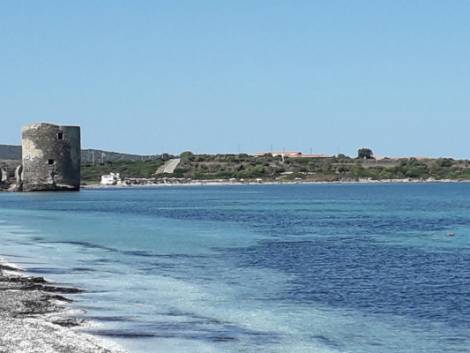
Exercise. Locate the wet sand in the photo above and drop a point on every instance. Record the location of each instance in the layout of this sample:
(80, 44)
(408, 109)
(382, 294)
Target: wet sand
(34, 317)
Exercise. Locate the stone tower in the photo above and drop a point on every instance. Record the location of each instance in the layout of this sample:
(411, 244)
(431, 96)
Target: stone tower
(51, 157)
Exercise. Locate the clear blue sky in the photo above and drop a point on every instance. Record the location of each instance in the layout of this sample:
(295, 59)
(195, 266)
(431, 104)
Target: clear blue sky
(223, 76)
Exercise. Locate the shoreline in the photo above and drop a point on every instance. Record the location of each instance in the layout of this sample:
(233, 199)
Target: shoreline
(35, 317)
(238, 183)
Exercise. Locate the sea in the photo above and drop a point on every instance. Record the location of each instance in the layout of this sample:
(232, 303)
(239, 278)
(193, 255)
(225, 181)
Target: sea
(354, 268)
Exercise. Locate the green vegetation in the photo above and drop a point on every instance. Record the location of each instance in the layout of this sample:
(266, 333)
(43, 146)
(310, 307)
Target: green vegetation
(365, 153)
(128, 169)
(267, 167)
(339, 168)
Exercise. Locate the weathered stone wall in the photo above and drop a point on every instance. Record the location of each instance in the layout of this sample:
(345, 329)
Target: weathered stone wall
(51, 157)
(7, 175)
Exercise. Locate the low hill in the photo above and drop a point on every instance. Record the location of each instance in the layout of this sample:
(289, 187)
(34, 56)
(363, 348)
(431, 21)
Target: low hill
(12, 152)
(267, 167)
(243, 167)
(337, 168)
(90, 155)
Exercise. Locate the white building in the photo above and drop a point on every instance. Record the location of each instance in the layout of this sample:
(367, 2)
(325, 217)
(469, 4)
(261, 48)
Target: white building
(110, 179)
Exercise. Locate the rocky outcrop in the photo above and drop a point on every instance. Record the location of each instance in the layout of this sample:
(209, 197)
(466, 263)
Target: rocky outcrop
(34, 319)
(8, 180)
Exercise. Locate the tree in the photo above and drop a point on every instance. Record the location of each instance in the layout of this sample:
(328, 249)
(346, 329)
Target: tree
(445, 162)
(187, 156)
(365, 153)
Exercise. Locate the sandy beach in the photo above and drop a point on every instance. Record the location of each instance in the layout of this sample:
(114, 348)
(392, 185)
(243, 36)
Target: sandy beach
(34, 317)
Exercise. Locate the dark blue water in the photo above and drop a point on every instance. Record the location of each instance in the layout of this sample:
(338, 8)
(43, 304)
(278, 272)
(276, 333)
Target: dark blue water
(286, 268)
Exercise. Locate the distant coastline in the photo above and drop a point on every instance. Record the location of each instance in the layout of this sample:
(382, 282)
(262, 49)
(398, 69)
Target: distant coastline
(262, 168)
(268, 168)
(233, 183)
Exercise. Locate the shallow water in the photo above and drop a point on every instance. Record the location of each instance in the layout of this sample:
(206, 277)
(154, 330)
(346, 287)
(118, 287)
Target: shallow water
(271, 268)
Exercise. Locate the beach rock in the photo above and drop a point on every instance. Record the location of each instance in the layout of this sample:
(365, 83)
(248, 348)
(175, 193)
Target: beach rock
(34, 321)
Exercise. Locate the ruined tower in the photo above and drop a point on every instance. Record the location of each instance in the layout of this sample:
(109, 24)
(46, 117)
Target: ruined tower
(51, 157)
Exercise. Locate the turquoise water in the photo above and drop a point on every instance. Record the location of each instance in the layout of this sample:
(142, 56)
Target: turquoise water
(271, 268)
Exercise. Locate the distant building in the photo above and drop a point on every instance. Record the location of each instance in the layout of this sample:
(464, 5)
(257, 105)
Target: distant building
(51, 158)
(111, 179)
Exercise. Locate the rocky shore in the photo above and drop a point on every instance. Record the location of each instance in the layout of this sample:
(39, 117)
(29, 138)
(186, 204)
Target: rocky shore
(34, 317)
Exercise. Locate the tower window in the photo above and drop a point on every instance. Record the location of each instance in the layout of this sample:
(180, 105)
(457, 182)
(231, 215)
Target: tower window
(50, 161)
(60, 135)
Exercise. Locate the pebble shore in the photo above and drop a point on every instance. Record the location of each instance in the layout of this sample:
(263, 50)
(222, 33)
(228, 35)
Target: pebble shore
(34, 317)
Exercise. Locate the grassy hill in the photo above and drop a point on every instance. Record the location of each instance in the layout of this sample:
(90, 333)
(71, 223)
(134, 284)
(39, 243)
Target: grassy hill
(89, 155)
(91, 173)
(242, 166)
(269, 168)
(338, 168)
